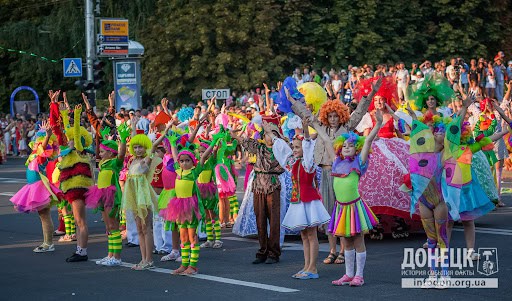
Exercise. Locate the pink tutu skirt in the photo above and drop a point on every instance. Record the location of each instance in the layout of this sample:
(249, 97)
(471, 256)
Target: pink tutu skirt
(34, 197)
(96, 197)
(207, 190)
(225, 182)
(181, 210)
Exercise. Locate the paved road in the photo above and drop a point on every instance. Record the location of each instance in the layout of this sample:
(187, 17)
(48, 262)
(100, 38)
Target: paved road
(224, 274)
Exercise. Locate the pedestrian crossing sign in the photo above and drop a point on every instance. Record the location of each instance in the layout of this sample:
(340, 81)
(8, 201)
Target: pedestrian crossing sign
(72, 67)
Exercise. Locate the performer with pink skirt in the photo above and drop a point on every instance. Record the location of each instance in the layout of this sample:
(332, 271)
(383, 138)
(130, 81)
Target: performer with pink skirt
(39, 194)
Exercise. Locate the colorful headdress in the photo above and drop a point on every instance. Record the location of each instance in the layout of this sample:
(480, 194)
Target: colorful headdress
(333, 106)
(314, 95)
(51, 151)
(109, 145)
(185, 114)
(387, 90)
(84, 135)
(434, 85)
(141, 140)
(283, 104)
(349, 137)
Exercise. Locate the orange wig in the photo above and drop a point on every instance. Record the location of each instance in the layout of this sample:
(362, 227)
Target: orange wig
(333, 106)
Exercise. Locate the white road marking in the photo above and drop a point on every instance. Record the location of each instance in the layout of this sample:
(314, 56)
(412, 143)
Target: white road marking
(7, 193)
(494, 231)
(268, 287)
(12, 180)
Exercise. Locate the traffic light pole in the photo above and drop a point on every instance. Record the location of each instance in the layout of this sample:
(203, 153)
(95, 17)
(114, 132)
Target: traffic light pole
(90, 46)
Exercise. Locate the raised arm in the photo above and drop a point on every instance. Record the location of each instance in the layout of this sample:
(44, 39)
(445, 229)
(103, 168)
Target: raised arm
(76, 128)
(45, 126)
(392, 112)
(363, 106)
(500, 110)
(369, 139)
(465, 105)
(411, 111)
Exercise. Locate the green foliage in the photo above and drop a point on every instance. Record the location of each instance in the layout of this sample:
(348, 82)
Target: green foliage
(197, 44)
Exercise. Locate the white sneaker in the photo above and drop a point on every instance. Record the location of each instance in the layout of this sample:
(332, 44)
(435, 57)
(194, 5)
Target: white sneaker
(112, 261)
(103, 260)
(171, 256)
(207, 244)
(43, 248)
(218, 244)
(443, 282)
(178, 259)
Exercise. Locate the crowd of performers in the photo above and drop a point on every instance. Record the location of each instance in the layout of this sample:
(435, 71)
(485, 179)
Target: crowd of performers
(314, 164)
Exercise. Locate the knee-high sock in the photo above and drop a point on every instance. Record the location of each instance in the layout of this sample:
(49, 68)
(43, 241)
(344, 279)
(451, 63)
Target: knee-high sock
(233, 205)
(194, 255)
(350, 262)
(109, 236)
(430, 229)
(209, 231)
(216, 228)
(185, 254)
(360, 261)
(443, 244)
(67, 223)
(72, 224)
(116, 242)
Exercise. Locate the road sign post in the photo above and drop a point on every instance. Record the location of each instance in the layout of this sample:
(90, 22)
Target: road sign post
(113, 38)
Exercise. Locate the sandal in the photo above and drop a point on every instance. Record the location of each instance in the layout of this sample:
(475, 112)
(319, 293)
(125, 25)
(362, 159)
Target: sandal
(340, 259)
(179, 271)
(330, 258)
(190, 271)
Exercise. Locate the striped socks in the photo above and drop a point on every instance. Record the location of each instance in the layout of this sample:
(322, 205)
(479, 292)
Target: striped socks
(194, 255)
(233, 205)
(72, 224)
(209, 231)
(185, 254)
(114, 242)
(216, 228)
(67, 224)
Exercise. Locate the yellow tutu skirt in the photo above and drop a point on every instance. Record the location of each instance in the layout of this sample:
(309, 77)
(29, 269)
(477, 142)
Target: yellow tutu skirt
(138, 196)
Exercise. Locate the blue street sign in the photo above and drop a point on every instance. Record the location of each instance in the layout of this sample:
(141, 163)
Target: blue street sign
(72, 67)
(102, 39)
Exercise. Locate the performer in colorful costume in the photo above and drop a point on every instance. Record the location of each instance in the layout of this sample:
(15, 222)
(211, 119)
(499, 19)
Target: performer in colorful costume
(138, 196)
(352, 217)
(333, 119)
(106, 195)
(459, 183)
(424, 186)
(185, 209)
(76, 177)
(39, 193)
(306, 211)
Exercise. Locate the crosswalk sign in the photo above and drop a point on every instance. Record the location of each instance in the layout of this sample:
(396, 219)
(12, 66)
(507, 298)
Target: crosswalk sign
(72, 67)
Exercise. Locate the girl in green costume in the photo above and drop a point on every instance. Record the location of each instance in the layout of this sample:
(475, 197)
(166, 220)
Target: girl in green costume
(106, 195)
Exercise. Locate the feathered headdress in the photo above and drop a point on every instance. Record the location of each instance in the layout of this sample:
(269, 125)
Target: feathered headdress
(438, 123)
(387, 90)
(434, 85)
(283, 104)
(314, 95)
